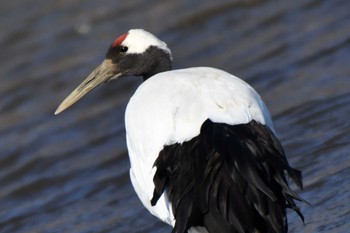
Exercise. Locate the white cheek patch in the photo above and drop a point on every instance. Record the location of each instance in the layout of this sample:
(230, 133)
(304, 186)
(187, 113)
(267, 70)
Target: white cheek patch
(139, 40)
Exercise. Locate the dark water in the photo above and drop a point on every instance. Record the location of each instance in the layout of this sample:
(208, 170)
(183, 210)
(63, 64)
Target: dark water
(69, 173)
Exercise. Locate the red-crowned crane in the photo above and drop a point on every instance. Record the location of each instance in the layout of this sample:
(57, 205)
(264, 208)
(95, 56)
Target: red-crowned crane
(203, 152)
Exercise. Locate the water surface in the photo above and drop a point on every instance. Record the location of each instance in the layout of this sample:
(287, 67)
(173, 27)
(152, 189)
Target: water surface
(69, 173)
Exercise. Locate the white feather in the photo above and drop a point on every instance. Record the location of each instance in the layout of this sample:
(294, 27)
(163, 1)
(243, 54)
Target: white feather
(170, 107)
(139, 40)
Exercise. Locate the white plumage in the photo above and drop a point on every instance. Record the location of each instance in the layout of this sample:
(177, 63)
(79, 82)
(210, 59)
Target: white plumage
(138, 41)
(171, 107)
(203, 154)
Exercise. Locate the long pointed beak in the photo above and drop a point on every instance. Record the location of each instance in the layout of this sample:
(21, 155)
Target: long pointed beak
(104, 72)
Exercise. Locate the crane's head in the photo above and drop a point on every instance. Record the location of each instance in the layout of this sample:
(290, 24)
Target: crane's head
(135, 53)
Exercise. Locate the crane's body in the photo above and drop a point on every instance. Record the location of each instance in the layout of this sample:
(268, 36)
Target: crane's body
(203, 152)
(171, 108)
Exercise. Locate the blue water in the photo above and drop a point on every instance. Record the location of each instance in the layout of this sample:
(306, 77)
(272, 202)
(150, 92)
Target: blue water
(69, 173)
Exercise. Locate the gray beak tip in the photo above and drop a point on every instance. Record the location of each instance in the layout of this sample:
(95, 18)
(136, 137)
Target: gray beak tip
(57, 111)
(101, 74)
(61, 108)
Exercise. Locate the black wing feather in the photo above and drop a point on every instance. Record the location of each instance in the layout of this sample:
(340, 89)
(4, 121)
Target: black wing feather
(228, 179)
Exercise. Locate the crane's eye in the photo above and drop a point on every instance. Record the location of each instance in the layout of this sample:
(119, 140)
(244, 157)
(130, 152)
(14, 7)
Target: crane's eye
(124, 49)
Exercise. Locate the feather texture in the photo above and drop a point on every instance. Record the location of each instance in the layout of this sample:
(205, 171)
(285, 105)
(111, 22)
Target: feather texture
(165, 122)
(227, 179)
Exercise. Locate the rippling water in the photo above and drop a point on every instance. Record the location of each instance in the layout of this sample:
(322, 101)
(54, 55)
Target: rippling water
(69, 173)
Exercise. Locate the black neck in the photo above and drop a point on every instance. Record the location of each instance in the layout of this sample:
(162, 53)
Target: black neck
(161, 62)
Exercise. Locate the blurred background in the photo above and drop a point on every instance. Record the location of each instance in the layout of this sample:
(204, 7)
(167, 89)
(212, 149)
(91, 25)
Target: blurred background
(69, 173)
